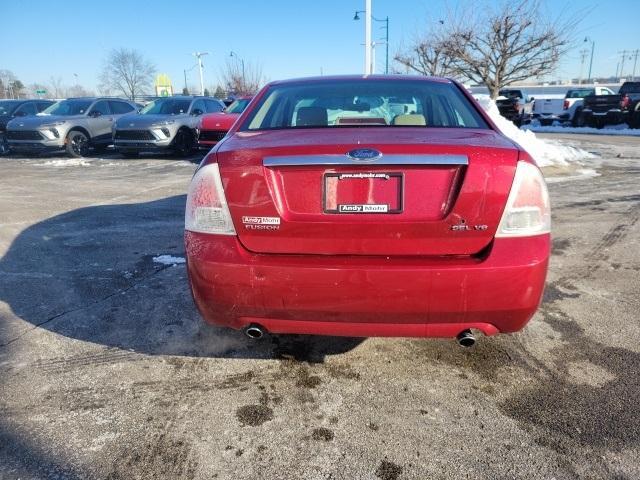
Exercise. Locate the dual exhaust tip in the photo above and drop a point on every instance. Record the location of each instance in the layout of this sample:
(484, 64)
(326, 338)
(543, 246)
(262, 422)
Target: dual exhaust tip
(465, 338)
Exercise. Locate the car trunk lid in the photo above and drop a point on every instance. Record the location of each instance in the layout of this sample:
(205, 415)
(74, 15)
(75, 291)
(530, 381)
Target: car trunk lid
(431, 192)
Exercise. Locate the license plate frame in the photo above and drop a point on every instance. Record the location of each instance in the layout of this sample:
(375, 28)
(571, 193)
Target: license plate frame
(364, 208)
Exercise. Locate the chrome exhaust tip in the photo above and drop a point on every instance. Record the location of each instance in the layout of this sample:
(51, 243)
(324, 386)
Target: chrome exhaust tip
(466, 339)
(254, 332)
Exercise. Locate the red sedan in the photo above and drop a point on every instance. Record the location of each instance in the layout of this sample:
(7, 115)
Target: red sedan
(367, 206)
(214, 126)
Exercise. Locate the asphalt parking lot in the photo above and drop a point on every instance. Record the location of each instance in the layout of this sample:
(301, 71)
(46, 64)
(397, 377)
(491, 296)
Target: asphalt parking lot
(107, 372)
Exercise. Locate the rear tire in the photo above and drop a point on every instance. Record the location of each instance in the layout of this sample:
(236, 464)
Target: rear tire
(77, 144)
(578, 118)
(184, 143)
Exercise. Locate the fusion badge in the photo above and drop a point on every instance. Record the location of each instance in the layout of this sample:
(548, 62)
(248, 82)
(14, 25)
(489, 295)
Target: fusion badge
(261, 223)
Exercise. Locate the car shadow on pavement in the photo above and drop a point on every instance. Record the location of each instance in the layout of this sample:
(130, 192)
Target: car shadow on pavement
(89, 274)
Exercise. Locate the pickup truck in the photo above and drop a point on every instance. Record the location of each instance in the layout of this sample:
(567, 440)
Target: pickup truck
(601, 110)
(515, 105)
(567, 109)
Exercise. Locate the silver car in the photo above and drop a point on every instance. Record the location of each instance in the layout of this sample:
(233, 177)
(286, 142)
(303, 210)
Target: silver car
(164, 124)
(76, 125)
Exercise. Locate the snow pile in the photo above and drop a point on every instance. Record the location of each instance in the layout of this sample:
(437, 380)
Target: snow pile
(545, 152)
(621, 129)
(70, 162)
(168, 260)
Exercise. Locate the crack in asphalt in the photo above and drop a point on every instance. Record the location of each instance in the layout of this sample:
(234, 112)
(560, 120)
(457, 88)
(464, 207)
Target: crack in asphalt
(83, 307)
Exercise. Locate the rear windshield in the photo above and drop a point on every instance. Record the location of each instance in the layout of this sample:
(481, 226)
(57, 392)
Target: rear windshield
(510, 93)
(585, 92)
(364, 103)
(630, 87)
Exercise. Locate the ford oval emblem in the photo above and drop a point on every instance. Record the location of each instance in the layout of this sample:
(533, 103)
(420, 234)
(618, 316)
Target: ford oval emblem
(364, 154)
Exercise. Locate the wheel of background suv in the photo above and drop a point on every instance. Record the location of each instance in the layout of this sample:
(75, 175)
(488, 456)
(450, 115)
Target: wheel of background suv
(578, 118)
(77, 144)
(183, 144)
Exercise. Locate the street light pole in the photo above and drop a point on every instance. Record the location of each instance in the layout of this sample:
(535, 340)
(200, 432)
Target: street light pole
(244, 81)
(367, 38)
(371, 61)
(593, 44)
(199, 56)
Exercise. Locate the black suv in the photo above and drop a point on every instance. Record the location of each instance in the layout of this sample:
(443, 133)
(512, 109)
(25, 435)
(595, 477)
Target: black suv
(10, 109)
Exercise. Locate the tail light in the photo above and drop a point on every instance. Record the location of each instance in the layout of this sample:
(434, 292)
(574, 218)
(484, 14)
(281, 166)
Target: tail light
(565, 105)
(624, 103)
(527, 211)
(207, 210)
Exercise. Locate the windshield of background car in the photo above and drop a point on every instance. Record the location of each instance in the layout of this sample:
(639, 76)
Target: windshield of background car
(364, 103)
(7, 107)
(68, 107)
(580, 93)
(238, 106)
(166, 106)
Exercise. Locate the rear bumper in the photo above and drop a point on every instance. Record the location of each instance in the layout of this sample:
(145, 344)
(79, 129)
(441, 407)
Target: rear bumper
(614, 116)
(367, 296)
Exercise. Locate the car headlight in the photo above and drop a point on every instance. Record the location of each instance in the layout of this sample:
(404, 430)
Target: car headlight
(165, 122)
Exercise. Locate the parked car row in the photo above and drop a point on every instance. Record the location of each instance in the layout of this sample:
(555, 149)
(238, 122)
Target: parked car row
(81, 125)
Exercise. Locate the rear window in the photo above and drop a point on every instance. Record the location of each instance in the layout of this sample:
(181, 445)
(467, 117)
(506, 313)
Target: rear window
(630, 87)
(363, 103)
(585, 92)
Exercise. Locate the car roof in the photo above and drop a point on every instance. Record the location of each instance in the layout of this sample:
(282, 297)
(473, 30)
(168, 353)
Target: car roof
(372, 78)
(24, 100)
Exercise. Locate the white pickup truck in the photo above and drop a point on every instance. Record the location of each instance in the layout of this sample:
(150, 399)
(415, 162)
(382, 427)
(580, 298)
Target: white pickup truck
(567, 109)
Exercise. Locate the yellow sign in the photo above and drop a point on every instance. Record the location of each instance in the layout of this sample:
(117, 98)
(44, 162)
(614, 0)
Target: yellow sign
(163, 85)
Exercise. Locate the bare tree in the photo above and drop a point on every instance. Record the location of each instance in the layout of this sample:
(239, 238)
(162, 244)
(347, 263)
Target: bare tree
(241, 78)
(511, 42)
(127, 72)
(427, 56)
(56, 88)
(8, 78)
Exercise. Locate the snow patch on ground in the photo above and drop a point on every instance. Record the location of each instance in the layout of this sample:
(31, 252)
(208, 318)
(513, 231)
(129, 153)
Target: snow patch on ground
(622, 129)
(581, 173)
(68, 162)
(168, 260)
(545, 152)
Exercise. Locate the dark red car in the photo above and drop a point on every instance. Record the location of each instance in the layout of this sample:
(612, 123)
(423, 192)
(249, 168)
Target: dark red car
(214, 126)
(367, 206)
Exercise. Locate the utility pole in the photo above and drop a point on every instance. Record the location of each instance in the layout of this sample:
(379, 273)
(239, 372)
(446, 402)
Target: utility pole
(583, 56)
(367, 38)
(199, 56)
(624, 54)
(244, 80)
(636, 52)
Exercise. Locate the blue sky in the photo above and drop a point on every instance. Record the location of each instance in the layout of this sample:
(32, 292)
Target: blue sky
(287, 38)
